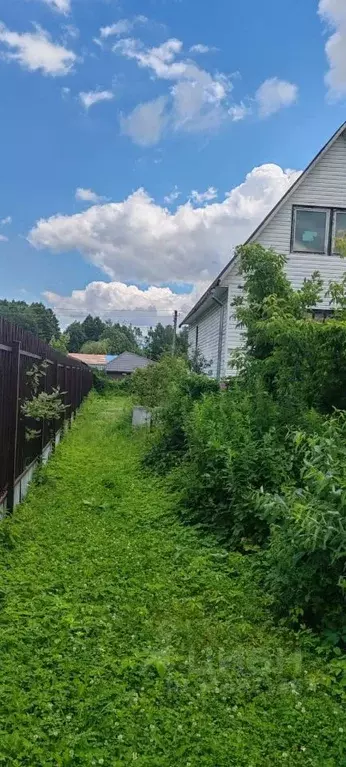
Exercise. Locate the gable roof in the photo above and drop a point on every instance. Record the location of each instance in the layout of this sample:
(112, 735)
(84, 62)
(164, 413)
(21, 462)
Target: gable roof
(90, 359)
(127, 362)
(268, 218)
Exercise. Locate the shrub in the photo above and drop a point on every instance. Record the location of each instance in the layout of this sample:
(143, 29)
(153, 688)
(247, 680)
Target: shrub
(102, 383)
(153, 385)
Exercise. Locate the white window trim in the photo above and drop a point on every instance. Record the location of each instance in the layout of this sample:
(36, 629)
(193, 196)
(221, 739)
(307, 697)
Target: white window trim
(312, 209)
(335, 213)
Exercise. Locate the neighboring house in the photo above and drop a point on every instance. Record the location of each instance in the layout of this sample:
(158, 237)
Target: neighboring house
(125, 364)
(96, 361)
(304, 227)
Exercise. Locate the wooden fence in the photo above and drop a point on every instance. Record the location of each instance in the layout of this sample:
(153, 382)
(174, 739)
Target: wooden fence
(19, 351)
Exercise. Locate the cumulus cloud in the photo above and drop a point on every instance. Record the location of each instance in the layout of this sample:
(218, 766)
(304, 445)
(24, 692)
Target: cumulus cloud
(6, 221)
(61, 6)
(198, 99)
(201, 197)
(107, 299)
(90, 98)
(334, 12)
(274, 94)
(146, 124)
(36, 51)
(138, 240)
(201, 48)
(87, 195)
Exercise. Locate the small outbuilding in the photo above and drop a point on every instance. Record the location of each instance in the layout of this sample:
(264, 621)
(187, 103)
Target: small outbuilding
(125, 364)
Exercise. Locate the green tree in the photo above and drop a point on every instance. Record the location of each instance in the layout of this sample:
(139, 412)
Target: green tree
(34, 317)
(122, 338)
(61, 344)
(77, 336)
(159, 341)
(93, 328)
(96, 347)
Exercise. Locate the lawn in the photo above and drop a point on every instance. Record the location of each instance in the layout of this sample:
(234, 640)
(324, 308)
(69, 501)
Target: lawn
(128, 638)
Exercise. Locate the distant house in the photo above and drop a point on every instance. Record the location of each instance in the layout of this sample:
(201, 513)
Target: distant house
(96, 361)
(125, 364)
(304, 226)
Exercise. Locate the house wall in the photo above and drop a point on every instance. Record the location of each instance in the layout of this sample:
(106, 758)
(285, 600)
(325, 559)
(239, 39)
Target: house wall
(208, 338)
(324, 186)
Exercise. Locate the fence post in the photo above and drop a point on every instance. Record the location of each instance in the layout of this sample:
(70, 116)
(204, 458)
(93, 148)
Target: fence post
(14, 405)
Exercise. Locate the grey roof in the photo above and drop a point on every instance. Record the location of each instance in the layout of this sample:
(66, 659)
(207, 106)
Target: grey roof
(127, 362)
(266, 220)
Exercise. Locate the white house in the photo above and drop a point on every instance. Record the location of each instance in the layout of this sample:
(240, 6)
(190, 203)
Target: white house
(303, 226)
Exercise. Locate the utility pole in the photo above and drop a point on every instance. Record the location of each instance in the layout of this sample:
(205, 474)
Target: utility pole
(175, 323)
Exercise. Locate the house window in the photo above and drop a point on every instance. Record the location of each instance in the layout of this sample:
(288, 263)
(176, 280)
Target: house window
(339, 229)
(310, 230)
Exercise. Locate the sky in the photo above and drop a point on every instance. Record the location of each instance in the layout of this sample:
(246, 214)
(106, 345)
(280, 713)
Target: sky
(140, 141)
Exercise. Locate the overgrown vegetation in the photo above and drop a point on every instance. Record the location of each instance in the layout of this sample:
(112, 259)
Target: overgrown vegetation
(264, 463)
(128, 638)
(41, 407)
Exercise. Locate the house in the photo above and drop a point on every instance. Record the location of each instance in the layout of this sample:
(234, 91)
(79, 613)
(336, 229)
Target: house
(125, 364)
(303, 226)
(96, 361)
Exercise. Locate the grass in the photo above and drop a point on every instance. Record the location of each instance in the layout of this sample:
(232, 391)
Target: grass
(127, 639)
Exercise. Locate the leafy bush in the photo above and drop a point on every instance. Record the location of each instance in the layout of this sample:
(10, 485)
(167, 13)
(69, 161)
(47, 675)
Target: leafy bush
(154, 384)
(306, 559)
(102, 383)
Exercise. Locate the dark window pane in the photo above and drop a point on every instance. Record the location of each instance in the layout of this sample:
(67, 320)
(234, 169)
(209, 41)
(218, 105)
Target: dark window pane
(340, 230)
(310, 231)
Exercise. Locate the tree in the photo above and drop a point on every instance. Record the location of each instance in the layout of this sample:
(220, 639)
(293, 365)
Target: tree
(122, 338)
(159, 341)
(93, 328)
(34, 317)
(77, 337)
(61, 344)
(96, 347)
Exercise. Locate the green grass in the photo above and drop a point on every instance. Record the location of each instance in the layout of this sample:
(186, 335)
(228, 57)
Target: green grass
(126, 638)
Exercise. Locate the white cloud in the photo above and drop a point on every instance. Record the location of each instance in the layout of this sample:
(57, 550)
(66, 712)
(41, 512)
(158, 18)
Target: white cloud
(145, 125)
(274, 94)
(122, 27)
(201, 197)
(61, 6)
(334, 11)
(139, 240)
(172, 196)
(3, 238)
(198, 99)
(87, 195)
(6, 221)
(36, 51)
(238, 112)
(90, 98)
(201, 48)
(108, 298)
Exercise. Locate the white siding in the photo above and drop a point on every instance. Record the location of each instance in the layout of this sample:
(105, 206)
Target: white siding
(208, 338)
(324, 186)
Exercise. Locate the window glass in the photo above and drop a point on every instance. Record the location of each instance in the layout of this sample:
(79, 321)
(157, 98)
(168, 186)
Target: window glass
(339, 229)
(310, 230)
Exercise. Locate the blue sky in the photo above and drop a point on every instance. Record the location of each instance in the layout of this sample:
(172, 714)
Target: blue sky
(140, 141)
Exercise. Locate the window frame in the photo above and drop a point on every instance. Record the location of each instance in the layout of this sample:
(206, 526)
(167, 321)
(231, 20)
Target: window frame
(330, 228)
(335, 212)
(327, 236)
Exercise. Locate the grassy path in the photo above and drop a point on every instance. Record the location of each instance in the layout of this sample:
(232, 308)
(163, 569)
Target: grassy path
(125, 639)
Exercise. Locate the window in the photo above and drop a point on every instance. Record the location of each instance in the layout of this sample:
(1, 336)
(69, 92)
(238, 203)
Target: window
(339, 229)
(310, 230)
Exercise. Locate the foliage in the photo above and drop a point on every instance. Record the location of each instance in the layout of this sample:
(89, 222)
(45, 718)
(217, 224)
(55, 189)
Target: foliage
(103, 383)
(61, 344)
(95, 347)
(114, 337)
(152, 385)
(159, 342)
(41, 406)
(126, 639)
(34, 317)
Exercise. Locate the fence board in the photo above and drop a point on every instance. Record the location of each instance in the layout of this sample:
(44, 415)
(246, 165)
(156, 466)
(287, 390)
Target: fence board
(21, 348)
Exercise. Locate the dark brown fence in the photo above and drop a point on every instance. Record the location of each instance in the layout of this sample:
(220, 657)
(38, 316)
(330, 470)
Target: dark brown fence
(19, 351)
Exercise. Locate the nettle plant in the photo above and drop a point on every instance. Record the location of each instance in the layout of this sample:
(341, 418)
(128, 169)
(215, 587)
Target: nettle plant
(41, 406)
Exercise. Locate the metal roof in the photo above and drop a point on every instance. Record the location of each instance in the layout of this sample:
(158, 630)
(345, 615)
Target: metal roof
(127, 362)
(90, 359)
